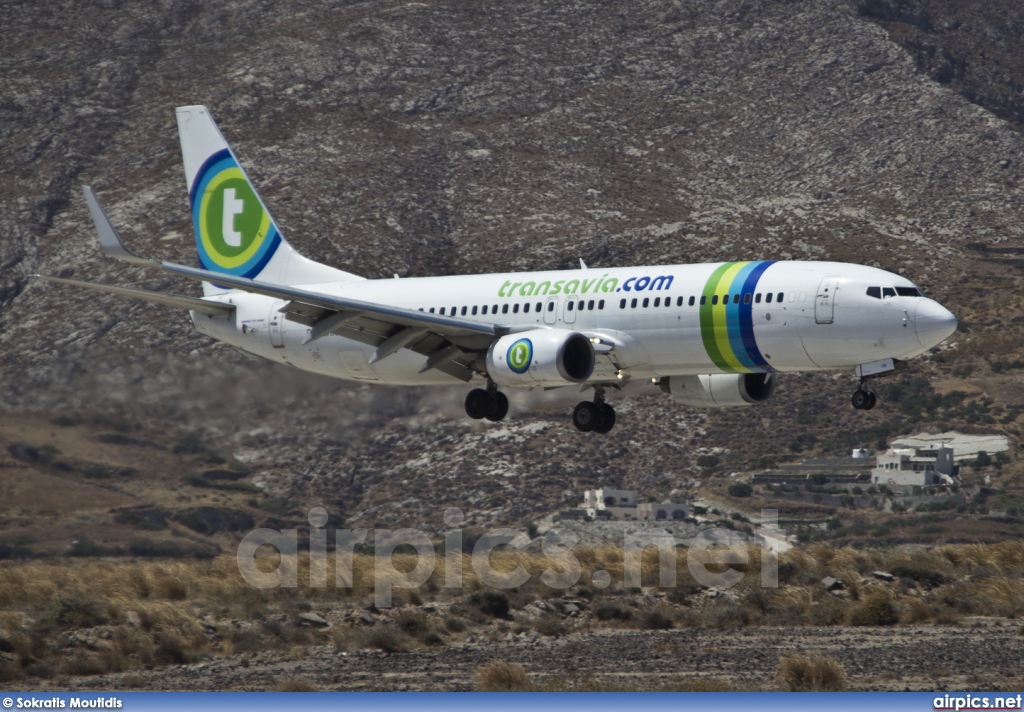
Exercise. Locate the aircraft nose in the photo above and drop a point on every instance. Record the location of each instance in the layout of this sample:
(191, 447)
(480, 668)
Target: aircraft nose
(933, 322)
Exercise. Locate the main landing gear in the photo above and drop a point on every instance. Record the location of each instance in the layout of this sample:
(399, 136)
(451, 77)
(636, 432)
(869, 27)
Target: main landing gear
(596, 416)
(863, 399)
(491, 403)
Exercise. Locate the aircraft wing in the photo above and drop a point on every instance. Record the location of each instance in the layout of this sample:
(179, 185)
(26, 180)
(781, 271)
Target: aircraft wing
(170, 300)
(450, 343)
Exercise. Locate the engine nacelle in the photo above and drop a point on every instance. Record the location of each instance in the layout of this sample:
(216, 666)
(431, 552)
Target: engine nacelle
(720, 390)
(542, 357)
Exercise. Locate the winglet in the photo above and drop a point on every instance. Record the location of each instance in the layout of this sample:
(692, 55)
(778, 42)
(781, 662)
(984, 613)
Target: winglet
(110, 241)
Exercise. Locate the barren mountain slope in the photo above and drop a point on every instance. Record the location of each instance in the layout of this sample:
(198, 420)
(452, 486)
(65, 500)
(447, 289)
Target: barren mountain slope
(459, 137)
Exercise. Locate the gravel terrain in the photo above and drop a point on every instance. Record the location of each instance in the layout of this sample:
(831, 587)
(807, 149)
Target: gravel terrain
(984, 656)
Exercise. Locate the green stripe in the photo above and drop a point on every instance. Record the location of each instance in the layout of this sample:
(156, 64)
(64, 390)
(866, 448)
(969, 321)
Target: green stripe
(707, 323)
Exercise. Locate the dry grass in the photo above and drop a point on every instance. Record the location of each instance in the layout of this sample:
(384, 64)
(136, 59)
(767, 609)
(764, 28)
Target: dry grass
(159, 613)
(811, 673)
(296, 683)
(502, 676)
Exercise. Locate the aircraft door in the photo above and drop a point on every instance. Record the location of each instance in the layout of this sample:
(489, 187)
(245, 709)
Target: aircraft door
(824, 303)
(569, 314)
(276, 322)
(551, 310)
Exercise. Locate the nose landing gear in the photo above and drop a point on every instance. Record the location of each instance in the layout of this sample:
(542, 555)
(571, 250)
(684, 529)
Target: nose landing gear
(596, 416)
(491, 403)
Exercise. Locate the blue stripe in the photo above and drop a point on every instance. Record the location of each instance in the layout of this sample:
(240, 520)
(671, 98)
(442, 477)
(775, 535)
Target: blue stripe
(747, 320)
(736, 315)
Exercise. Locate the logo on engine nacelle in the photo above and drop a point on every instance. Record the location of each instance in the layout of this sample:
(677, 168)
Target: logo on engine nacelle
(519, 355)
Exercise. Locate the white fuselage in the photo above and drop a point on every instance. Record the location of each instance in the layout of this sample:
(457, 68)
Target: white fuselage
(821, 315)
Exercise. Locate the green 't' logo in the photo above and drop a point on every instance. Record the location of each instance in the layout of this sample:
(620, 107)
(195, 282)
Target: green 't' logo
(519, 355)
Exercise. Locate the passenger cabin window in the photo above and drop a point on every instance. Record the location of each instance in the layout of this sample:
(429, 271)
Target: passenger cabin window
(632, 303)
(908, 292)
(504, 308)
(757, 298)
(736, 299)
(703, 299)
(746, 299)
(494, 309)
(714, 299)
(875, 292)
(600, 304)
(888, 292)
(590, 305)
(538, 306)
(431, 310)
(646, 302)
(483, 309)
(551, 306)
(778, 297)
(474, 311)
(691, 301)
(768, 298)
(568, 305)
(622, 304)
(463, 311)
(657, 301)
(515, 308)
(526, 308)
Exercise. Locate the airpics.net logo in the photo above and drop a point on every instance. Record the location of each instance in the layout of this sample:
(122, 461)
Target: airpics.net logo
(234, 233)
(519, 356)
(713, 558)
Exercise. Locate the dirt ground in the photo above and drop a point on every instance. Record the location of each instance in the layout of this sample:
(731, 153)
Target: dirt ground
(984, 654)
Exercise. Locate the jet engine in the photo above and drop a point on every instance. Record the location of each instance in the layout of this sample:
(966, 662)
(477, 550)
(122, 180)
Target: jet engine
(720, 390)
(541, 357)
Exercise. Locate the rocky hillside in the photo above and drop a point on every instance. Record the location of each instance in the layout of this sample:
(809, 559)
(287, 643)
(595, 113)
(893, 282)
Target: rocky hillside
(459, 137)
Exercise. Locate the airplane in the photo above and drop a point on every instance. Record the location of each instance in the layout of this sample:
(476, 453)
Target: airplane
(708, 335)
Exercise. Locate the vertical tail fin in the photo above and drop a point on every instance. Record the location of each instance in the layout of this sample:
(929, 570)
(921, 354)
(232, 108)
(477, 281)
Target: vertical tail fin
(235, 233)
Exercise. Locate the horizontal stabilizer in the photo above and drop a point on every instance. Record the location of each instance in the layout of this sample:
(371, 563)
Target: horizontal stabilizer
(169, 300)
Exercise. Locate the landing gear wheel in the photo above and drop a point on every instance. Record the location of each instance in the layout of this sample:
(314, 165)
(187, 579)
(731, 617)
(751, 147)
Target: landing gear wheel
(871, 401)
(498, 407)
(478, 403)
(584, 416)
(607, 420)
(862, 400)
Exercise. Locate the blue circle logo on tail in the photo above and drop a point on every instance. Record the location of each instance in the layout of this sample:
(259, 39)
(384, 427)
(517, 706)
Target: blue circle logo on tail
(234, 232)
(519, 355)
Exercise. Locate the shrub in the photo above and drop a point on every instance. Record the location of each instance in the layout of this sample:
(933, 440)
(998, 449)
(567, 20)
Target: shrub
(551, 625)
(385, 638)
(876, 609)
(655, 620)
(295, 683)
(74, 610)
(610, 611)
(740, 489)
(502, 676)
(811, 673)
(491, 603)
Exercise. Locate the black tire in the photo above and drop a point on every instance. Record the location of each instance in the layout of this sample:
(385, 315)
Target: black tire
(860, 399)
(477, 403)
(499, 407)
(871, 401)
(607, 420)
(584, 416)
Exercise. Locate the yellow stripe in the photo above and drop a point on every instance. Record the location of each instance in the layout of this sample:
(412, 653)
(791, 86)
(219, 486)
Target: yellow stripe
(718, 318)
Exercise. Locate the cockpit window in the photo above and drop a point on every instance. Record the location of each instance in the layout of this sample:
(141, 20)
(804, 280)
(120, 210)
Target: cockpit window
(908, 291)
(888, 292)
(875, 292)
